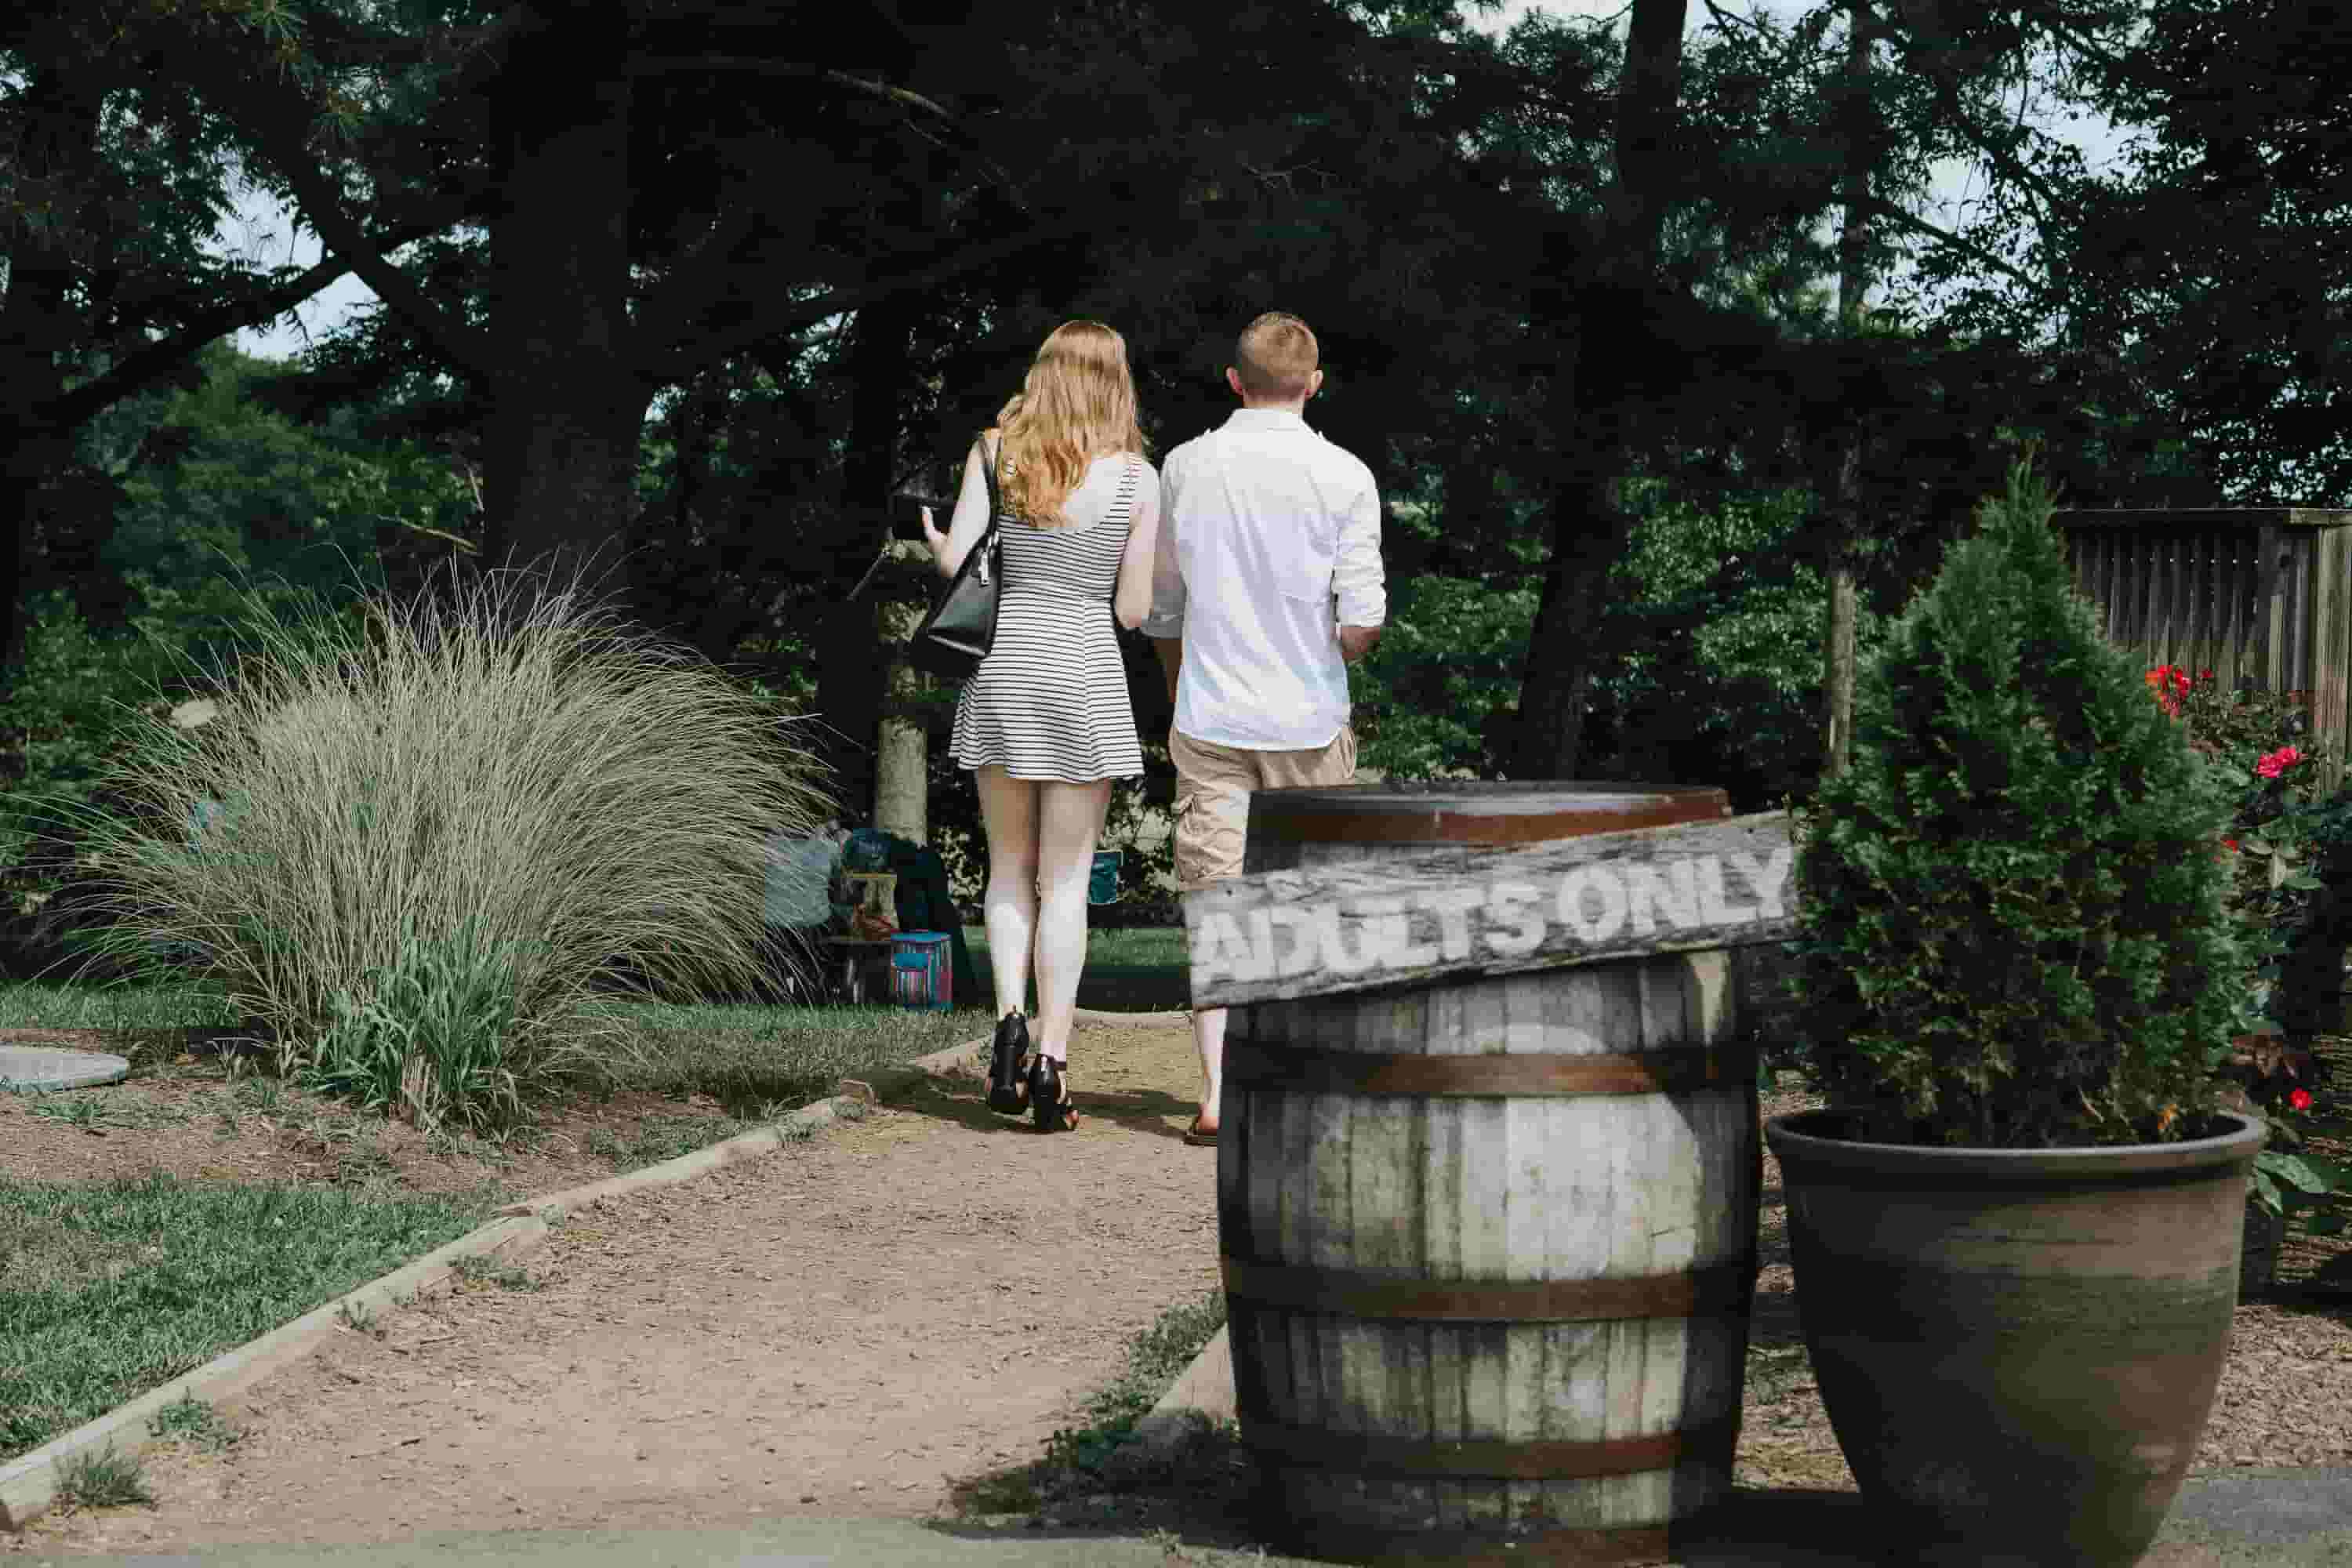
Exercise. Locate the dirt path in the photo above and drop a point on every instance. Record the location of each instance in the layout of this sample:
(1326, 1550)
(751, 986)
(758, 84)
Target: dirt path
(846, 1326)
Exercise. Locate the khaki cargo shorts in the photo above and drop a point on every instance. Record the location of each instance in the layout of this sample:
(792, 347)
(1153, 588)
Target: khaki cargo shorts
(1213, 790)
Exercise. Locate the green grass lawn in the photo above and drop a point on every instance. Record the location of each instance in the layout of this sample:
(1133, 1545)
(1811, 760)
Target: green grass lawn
(1141, 970)
(108, 1290)
(762, 1061)
(133, 1009)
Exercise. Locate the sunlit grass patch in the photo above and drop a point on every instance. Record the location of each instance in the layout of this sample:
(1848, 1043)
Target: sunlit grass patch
(109, 1290)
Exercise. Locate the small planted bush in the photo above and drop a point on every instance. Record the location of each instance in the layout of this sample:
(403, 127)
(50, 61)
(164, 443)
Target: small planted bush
(413, 838)
(2012, 904)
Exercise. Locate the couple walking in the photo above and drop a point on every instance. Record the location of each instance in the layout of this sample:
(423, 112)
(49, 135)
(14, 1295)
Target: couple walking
(1253, 561)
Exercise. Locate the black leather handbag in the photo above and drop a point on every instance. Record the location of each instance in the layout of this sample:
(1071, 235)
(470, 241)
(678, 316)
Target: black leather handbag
(957, 633)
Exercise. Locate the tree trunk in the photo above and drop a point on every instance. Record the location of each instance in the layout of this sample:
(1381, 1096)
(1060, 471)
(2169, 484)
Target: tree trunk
(1838, 668)
(1590, 531)
(858, 672)
(561, 483)
(34, 328)
(562, 444)
(1845, 501)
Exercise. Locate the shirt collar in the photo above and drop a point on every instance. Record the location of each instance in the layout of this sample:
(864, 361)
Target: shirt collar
(1265, 419)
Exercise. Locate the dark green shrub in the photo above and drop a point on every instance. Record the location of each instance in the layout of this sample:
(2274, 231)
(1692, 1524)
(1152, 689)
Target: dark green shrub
(2013, 932)
(1714, 635)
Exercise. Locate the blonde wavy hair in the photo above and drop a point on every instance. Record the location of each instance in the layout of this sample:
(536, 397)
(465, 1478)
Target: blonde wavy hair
(1077, 403)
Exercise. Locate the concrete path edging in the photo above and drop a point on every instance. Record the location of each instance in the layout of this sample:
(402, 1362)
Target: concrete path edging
(1202, 1396)
(29, 1483)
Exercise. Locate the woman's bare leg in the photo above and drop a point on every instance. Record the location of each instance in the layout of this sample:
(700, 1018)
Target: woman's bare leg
(1069, 823)
(1008, 812)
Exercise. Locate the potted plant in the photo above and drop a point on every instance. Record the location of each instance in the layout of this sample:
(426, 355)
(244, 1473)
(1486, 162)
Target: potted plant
(2016, 1228)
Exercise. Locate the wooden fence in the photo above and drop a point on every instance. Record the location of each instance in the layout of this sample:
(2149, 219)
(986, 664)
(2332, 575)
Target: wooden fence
(2258, 592)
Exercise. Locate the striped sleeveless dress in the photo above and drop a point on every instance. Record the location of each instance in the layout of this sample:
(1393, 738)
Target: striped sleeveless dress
(1050, 700)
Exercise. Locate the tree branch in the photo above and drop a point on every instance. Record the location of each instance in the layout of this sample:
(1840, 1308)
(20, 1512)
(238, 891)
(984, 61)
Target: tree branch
(671, 361)
(663, 65)
(1880, 207)
(1728, 21)
(323, 205)
(1947, 98)
(658, 65)
(697, 278)
(136, 370)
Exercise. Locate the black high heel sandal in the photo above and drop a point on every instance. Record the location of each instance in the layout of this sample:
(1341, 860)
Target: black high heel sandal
(1008, 1081)
(1049, 1097)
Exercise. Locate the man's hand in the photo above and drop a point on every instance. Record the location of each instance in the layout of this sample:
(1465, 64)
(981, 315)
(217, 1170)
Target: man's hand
(1355, 642)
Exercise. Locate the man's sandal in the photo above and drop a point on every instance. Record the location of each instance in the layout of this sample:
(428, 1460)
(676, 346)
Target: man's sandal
(1049, 1097)
(1008, 1067)
(1199, 1136)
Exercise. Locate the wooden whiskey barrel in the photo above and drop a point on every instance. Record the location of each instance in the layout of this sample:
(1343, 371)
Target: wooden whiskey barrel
(1488, 1244)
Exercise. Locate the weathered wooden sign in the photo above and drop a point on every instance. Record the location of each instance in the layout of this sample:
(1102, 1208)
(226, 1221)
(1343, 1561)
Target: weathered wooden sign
(1410, 920)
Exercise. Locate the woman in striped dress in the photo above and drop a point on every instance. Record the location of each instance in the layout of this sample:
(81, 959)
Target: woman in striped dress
(1044, 722)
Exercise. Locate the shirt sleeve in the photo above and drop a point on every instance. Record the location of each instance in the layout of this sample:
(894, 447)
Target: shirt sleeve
(1356, 576)
(1167, 617)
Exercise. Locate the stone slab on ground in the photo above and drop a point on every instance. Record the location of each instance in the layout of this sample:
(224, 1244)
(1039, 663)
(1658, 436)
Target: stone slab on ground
(46, 1067)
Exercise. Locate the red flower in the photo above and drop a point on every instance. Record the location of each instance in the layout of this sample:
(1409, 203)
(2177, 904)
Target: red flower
(2230, 845)
(2299, 1099)
(2278, 762)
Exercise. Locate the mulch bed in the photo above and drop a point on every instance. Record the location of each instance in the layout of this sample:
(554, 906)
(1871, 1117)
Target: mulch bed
(206, 1113)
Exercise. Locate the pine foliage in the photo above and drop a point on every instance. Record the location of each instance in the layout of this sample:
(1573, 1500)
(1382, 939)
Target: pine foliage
(2011, 901)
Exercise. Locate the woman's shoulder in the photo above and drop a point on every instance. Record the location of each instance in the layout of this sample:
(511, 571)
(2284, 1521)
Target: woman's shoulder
(1118, 462)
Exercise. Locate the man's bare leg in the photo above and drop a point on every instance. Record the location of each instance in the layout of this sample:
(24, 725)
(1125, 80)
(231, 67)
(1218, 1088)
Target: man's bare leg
(1209, 1035)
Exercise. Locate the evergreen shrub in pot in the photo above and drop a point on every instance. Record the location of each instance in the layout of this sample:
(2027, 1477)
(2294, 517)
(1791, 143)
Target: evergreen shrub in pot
(2016, 1228)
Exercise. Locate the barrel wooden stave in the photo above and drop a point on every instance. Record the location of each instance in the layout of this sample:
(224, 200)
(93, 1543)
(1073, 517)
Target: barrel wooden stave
(1463, 1189)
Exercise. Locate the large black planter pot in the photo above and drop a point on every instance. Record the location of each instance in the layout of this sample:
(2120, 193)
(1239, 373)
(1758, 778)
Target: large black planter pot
(2016, 1348)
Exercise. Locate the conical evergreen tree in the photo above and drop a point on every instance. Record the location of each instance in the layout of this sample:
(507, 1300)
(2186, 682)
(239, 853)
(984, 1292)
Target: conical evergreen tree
(2011, 901)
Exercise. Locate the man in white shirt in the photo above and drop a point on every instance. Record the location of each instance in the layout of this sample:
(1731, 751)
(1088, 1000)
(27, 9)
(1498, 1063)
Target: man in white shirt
(1267, 585)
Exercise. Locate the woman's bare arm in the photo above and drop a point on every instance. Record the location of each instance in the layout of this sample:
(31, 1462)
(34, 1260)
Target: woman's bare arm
(970, 520)
(1132, 600)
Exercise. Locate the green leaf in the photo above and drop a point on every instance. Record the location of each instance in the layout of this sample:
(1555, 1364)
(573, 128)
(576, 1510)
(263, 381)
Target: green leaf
(2295, 1170)
(2338, 1174)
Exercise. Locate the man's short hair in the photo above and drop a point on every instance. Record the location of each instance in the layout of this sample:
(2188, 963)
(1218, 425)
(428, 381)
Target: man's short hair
(1276, 357)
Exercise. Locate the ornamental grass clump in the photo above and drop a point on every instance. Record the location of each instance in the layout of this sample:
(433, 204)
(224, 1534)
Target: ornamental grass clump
(2010, 904)
(416, 839)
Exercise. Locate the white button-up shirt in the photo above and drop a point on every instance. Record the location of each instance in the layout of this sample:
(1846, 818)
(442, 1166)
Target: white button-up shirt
(1269, 542)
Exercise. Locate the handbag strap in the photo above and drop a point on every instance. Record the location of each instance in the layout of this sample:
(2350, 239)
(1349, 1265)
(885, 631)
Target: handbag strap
(996, 500)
